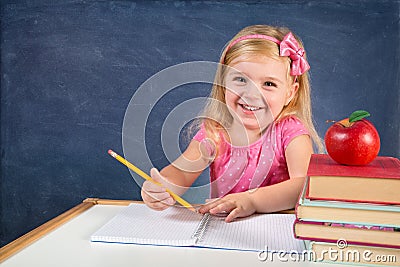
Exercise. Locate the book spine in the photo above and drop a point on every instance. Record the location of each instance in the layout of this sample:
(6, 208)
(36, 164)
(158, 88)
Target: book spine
(314, 198)
(333, 240)
(352, 254)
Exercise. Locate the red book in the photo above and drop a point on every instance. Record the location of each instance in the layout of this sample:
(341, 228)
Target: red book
(325, 232)
(377, 182)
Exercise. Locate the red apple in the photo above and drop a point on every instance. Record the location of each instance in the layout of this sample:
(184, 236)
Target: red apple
(353, 141)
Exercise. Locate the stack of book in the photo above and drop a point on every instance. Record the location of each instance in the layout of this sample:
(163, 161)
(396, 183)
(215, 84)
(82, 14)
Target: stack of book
(351, 214)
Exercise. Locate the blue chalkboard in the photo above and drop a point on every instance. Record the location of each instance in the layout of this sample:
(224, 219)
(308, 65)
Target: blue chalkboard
(69, 69)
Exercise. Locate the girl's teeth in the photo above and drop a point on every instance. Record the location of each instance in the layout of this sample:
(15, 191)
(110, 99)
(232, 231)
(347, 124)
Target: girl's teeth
(250, 108)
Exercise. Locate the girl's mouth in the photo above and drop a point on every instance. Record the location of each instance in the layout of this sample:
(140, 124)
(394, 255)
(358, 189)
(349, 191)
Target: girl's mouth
(249, 108)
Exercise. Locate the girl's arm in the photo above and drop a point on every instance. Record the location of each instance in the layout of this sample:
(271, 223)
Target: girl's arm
(186, 169)
(272, 198)
(178, 177)
(284, 195)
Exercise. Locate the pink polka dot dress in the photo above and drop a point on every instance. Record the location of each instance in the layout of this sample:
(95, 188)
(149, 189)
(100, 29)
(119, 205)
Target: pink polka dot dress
(262, 163)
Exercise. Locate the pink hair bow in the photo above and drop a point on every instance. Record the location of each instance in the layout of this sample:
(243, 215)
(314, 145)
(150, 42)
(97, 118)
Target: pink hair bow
(289, 47)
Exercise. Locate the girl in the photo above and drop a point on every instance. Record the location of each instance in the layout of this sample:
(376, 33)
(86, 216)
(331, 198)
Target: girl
(255, 132)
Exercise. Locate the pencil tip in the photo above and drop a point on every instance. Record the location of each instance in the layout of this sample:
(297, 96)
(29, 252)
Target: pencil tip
(193, 209)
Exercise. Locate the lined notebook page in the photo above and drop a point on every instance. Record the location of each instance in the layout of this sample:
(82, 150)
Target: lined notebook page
(260, 232)
(175, 226)
(138, 224)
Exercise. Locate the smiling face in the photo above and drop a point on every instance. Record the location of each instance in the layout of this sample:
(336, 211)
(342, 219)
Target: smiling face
(257, 89)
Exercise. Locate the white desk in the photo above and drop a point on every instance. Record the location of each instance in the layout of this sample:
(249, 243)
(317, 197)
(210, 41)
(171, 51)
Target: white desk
(65, 241)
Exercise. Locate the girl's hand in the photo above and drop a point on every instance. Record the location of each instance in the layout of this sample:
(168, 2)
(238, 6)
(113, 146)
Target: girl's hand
(237, 205)
(155, 195)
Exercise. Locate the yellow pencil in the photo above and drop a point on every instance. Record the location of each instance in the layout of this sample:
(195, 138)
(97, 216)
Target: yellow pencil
(145, 176)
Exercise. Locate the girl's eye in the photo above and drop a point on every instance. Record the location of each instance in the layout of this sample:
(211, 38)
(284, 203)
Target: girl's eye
(270, 84)
(239, 79)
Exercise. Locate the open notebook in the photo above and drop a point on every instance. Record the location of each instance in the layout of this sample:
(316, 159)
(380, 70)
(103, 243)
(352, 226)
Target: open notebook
(177, 226)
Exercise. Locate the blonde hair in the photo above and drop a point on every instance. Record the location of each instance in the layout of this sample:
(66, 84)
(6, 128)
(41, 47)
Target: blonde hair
(216, 116)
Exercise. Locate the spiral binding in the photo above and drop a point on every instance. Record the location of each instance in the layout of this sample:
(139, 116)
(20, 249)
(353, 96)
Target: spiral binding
(201, 228)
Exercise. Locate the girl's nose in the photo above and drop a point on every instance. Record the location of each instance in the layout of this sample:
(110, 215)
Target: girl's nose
(252, 92)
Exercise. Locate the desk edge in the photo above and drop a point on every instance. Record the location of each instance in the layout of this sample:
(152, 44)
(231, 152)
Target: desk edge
(30, 237)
